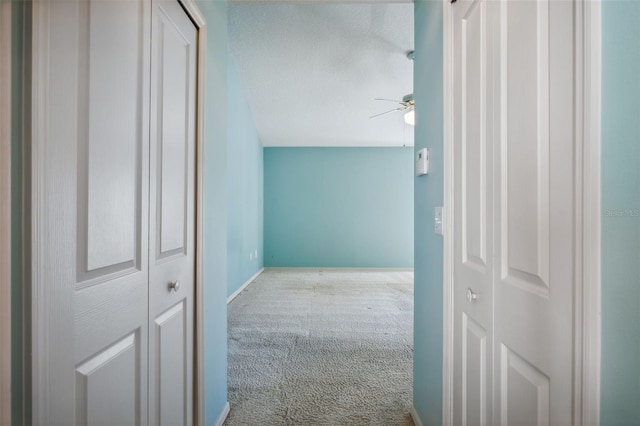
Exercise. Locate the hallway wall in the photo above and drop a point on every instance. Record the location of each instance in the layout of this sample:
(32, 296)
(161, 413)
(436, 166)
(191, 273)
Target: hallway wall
(338, 207)
(428, 297)
(620, 213)
(215, 212)
(244, 188)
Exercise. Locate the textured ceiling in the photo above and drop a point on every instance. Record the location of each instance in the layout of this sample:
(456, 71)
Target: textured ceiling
(311, 71)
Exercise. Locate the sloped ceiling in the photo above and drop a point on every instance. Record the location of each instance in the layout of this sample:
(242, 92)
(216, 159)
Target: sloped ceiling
(311, 70)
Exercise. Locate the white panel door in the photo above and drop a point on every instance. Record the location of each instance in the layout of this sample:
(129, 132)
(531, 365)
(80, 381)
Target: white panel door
(514, 212)
(114, 213)
(172, 215)
(90, 201)
(535, 278)
(473, 250)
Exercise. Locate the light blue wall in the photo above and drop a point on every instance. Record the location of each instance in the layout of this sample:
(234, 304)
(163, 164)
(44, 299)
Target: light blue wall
(427, 87)
(621, 213)
(245, 188)
(215, 211)
(338, 207)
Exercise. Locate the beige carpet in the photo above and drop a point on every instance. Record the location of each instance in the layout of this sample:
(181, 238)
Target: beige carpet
(322, 348)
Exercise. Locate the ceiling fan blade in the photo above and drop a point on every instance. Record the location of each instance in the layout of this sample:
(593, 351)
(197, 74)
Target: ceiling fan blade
(389, 100)
(386, 112)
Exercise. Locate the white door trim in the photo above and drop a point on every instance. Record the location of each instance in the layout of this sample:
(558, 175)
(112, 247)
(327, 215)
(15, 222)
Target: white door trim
(201, 24)
(38, 345)
(590, 209)
(588, 214)
(447, 255)
(5, 212)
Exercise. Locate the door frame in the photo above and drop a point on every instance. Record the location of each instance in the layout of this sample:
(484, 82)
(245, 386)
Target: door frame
(587, 293)
(37, 65)
(5, 210)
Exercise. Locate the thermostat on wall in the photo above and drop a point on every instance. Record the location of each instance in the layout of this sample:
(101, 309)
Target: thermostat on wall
(422, 162)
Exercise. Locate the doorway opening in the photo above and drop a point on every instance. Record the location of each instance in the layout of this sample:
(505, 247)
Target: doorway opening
(321, 195)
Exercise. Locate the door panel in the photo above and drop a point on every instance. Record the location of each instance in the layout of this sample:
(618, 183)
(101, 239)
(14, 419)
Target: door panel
(90, 264)
(107, 392)
(172, 364)
(524, 391)
(173, 130)
(172, 215)
(473, 213)
(473, 133)
(110, 162)
(474, 373)
(534, 307)
(524, 120)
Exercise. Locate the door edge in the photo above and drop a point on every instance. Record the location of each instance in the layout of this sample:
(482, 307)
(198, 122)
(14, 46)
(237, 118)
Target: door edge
(5, 211)
(588, 37)
(196, 16)
(447, 275)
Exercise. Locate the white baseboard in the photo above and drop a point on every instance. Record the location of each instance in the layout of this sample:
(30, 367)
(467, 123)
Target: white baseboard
(243, 286)
(415, 417)
(223, 416)
(302, 269)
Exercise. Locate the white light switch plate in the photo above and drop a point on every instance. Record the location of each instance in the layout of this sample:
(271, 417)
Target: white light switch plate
(438, 227)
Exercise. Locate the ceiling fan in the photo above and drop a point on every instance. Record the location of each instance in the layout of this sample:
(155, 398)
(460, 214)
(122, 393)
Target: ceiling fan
(407, 104)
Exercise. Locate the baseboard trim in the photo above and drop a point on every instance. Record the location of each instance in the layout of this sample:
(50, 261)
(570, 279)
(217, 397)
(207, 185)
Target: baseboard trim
(243, 286)
(415, 417)
(223, 416)
(305, 268)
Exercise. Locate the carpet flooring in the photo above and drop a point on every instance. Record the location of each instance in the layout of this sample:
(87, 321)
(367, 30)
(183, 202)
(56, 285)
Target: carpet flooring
(322, 348)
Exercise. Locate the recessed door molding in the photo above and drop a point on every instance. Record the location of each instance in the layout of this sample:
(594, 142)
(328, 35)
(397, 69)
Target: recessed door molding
(586, 386)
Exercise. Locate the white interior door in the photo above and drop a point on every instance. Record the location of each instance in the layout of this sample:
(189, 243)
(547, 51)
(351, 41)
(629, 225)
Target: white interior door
(113, 213)
(172, 215)
(90, 202)
(518, 188)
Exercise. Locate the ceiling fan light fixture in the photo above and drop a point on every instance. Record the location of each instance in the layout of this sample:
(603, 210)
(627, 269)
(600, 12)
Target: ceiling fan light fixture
(410, 117)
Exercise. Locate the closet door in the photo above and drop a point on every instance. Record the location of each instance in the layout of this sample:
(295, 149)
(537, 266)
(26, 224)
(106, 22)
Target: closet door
(172, 215)
(90, 212)
(514, 238)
